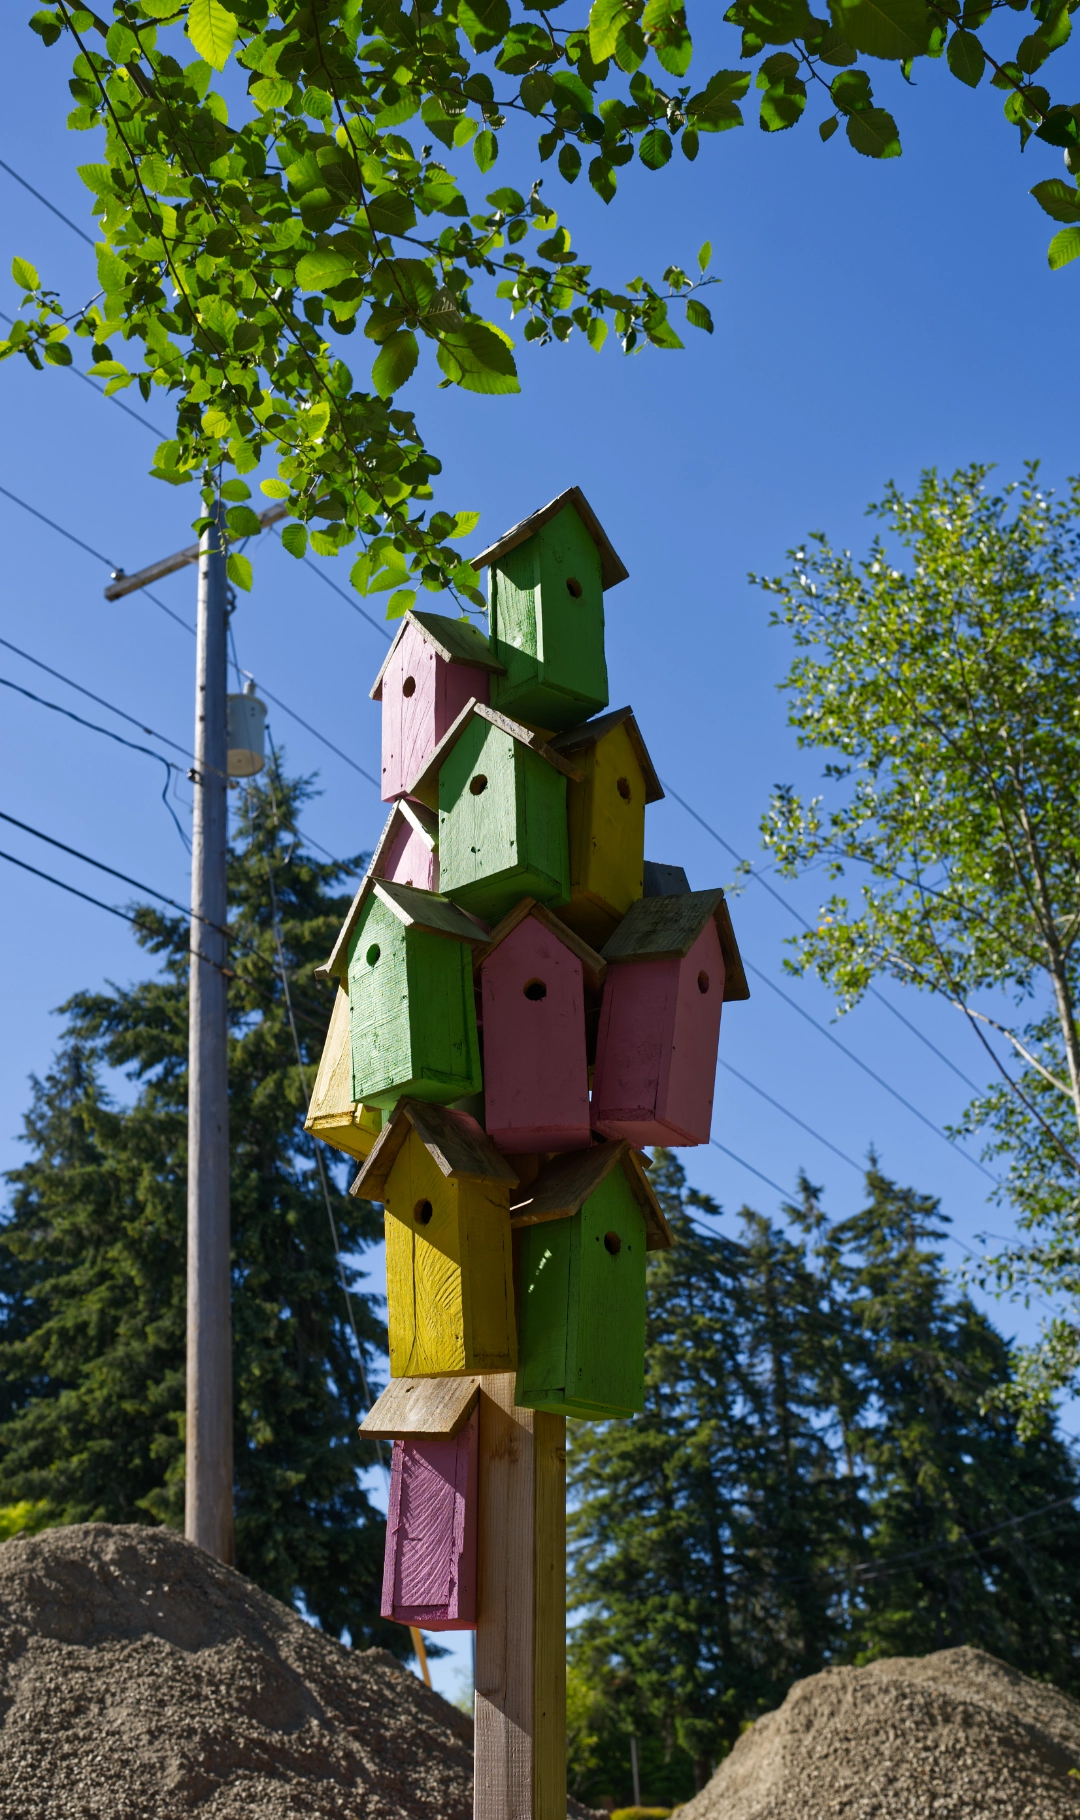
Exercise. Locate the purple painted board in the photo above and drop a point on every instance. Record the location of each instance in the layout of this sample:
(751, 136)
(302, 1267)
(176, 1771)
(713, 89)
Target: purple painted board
(656, 1046)
(422, 694)
(410, 860)
(536, 1083)
(429, 1569)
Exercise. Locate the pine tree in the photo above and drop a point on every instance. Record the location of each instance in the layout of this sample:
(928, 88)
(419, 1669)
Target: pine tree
(92, 1255)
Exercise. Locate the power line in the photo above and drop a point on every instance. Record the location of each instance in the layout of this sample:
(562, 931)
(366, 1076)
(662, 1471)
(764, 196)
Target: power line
(111, 908)
(100, 699)
(315, 734)
(743, 1164)
(788, 1114)
(53, 210)
(347, 598)
(112, 397)
(53, 526)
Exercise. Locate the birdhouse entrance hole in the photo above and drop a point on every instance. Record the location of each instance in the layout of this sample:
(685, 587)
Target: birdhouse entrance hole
(573, 586)
(703, 982)
(408, 687)
(612, 1243)
(478, 785)
(623, 787)
(535, 990)
(422, 1212)
(373, 954)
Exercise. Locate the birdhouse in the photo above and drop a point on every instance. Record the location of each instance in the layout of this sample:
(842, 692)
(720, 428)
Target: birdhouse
(408, 849)
(534, 975)
(406, 955)
(500, 791)
(585, 1225)
(449, 1271)
(606, 818)
(672, 962)
(429, 1567)
(333, 1114)
(659, 880)
(546, 584)
(434, 666)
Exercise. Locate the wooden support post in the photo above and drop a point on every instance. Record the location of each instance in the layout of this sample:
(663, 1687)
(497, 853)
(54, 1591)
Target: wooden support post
(520, 1703)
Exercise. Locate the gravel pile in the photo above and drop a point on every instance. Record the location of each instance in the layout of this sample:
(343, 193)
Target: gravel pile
(141, 1680)
(955, 1735)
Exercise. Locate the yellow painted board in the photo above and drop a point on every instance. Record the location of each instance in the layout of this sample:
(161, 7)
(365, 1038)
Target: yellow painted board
(449, 1270)
(607, 836)
(333, 1114)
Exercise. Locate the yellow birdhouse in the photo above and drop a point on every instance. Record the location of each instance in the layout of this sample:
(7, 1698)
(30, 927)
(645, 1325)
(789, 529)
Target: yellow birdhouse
(449, 1259)
(333, 1114)
(606, 816)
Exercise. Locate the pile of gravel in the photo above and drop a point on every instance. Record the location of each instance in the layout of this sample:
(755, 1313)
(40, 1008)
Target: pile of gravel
(141, 1680)
(955, 1735)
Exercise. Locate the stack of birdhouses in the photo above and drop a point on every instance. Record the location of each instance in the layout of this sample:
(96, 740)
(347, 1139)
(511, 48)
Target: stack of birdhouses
(523, 1003)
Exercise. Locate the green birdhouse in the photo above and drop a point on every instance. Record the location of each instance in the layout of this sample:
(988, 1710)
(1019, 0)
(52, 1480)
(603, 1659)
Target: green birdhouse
(585, 1225)
(500, 791)
(406, 955)
(547, 579)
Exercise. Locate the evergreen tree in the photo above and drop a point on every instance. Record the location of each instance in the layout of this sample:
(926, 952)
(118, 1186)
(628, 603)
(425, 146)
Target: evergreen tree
(92, 1254)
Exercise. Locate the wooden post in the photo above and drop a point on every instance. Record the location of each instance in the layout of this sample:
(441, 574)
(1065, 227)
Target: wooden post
(208, 1499)
(520, 1702)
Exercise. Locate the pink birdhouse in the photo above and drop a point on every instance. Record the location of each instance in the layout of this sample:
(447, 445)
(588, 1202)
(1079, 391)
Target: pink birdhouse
(429, 1569)
(434, 666)
(672, 962)
(535, 978)
(407, 852)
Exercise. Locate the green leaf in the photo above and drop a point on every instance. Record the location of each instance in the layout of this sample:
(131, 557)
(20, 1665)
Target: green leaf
(698, 316)
(485, 149)
(319, 271)
(597, 332)
(1064, 248)
(215, 421)
(212, 30)
(966, 58)
(294, 538)
(235, 490)
(828, 127)
(484, 22)
(655, 148)
(785, 92)
(316, 418)
(391, 212)
(569, 162)
(24, 275)
(893, 29)
(398, 604)
(97, 177)
(606, 20)
(665, 29)
(160, 9)
(704, 255)
(274, 489)
(714, 110)
(242, 522)
(1060, 200)
(395, 363)
(508, 202)
(479, 358)
(270, 91)
(238, 569)
(536, 91)
(465, 523)
(602, 178)
(873, 133)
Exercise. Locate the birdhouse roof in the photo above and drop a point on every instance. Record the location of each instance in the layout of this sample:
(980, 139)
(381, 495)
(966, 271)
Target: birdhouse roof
(667, 927)
(426, 785)
(565, 1184)
(612, 567)
(457, 641)
(457, 1145)
(436, 1408)
(421, 820)
(593, 966)
(415, 908)
(591, 732)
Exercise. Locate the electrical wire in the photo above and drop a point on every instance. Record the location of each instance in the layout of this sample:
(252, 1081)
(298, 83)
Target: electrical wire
(100, 699)
(112, 397)
(308, 728)
(347, 598)
(53, 210)
(53, 526)
(788, 1114)
(743, 1164)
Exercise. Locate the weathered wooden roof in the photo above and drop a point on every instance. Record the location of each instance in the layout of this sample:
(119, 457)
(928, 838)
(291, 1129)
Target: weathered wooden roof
(415, 908)
(457, 641)
(455, 1142)
(426, 785)
(565, 1184)
(612, 567)
(659, 927)
(420, 819)
(593, 966)
(437, 1408)
(592, 731)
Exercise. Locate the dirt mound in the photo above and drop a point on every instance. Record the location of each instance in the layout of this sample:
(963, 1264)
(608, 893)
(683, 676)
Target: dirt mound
(141, 1680)
(955, 1735)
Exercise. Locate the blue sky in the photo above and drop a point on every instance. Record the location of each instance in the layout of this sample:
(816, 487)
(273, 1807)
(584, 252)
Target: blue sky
(873, 320)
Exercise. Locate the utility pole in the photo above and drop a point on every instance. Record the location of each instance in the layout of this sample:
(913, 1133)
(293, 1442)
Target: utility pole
(208, 1515)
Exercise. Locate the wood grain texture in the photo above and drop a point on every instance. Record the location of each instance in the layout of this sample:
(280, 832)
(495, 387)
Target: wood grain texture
(549, 635)
(424, 788)
(457, 1144)
(565, 1183)
(612, 567)
(412, 907)
(412, 1007)
(504, 839)
(576, 740)
(520, 1722)
(421, 694)
(457, 641)
(449, 1270)
(606, 821)
(429, 1568)
(536, 1082)
(657, 1042)
(592, 966)
(670, 925)
(436, 1407)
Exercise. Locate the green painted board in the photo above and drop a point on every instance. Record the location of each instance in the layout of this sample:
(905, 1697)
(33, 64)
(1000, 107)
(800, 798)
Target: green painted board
(547, 626)
(508, 839)
(581, 1309)
(412, 1013)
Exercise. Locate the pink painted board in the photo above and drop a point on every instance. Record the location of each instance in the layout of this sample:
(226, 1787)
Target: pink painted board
(536, 1082)
(421, 695)
(656, 1046)
(410, 860)
(429, 1569)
